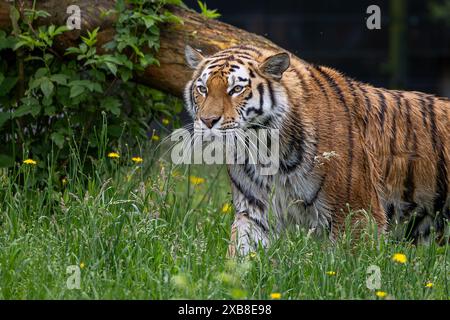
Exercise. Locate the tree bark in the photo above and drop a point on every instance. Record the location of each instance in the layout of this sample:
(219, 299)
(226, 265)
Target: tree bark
(199, 32)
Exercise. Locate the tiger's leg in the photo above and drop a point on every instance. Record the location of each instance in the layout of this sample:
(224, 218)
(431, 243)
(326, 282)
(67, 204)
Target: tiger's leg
(246, 234)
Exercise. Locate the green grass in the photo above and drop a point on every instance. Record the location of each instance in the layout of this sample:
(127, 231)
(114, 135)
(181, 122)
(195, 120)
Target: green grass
(145, 232)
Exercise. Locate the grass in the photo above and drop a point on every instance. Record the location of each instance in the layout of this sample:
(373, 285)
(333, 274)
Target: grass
(147, 231)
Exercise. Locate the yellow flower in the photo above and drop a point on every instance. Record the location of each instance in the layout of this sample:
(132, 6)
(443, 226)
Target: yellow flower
(275, 295)
(30, 161)
(176, 173)
(331, 273)
(165, 121)
(64, 181)
(399, 257)
(113, 155)
(82, 265)
(137, 159)
(429, 284)
(226, 208)
(252, 255)
(155, 137)
(196, 180)
(381, 294)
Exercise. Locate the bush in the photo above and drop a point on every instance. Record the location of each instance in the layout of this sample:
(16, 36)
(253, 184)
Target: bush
(48, 100)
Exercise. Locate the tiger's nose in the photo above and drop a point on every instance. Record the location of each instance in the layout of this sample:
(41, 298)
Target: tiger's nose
(210, 121)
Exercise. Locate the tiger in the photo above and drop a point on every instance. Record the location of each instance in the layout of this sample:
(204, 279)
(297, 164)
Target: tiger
(390, 148)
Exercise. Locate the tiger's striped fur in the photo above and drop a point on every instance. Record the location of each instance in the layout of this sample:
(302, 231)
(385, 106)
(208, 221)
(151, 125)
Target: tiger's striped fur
(391, 148)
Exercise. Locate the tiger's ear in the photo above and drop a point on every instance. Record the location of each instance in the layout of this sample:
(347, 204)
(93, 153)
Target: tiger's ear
(193, 57)
(275, 65)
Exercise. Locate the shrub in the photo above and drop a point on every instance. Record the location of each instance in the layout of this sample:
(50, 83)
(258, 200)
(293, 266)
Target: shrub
(48, 100)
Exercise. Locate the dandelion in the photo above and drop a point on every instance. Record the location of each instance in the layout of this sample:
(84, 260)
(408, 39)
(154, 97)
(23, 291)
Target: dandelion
(226, 208)
(176, 173)
(30, 161)
(275, 295)
(381, 294)
(331, 273)
(82, 265)
(429, 284)
(399, 258)
(137, 159)
(165, 121)
(196, 180)
(155, 137)
(113, 155)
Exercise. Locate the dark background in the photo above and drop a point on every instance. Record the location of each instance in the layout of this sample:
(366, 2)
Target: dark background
(411, 51)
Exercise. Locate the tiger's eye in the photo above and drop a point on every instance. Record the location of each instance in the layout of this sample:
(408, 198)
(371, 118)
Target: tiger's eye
(202, 89)
(236, 89)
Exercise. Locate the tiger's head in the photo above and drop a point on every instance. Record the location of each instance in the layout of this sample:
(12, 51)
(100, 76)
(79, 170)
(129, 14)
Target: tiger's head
(239, 87)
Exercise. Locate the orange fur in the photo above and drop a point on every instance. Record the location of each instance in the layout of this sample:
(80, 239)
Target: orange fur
(392, 147)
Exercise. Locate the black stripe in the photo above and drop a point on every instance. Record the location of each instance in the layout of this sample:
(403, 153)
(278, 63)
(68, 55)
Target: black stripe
(251, 173)
(255, 221)
(409, 186)
(352, 89)
(383, 107)
(250, 49)
(271, 94)
(441, 176)
(316, 81)
(260, 89)
(259, 111)
(367, 109)
(313, 199)
(216, 61)
(248, 196)
(300, 78)
(340, 95)
(390, 210)
(250, 95)
(191, 95)
(244, 56)
(423, 110)
(295, 144)
(433, 128)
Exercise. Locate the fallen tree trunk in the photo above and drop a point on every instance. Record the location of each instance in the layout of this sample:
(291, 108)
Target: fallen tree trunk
(172, 74)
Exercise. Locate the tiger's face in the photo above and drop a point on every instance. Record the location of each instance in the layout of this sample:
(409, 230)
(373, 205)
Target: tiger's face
(234, 88)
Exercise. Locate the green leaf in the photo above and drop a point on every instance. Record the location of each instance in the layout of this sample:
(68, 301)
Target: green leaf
(58, 139)
(4, 116)
(50, 110)
(125, 75)
(41, 72)
(47, 87)
(112, 105)
(22, 110)
(59, 78)
(111, 67)
(6, 161)
(7, 84)
(76, 91)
